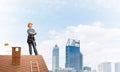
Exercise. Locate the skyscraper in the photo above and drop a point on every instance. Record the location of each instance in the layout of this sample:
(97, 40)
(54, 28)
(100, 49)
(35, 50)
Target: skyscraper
(74, 58)
(117, 67)
(55, 59)
(86, 69)
(104, 67)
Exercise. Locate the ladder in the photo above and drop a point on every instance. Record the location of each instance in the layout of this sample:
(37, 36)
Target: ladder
(34, 66)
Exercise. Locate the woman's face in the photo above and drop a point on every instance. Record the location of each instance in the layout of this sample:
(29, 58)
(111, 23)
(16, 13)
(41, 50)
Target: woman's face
(30, 26)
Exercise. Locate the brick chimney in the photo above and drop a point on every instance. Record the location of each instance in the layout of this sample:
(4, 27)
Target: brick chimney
(16, 55)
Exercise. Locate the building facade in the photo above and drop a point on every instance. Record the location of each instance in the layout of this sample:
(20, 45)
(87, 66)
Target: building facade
(94, 70)
(74, 58)
(104, 67)
(117, 67)
(67, 70)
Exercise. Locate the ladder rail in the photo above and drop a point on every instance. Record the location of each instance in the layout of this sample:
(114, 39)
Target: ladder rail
(31, 66)
(37, 66)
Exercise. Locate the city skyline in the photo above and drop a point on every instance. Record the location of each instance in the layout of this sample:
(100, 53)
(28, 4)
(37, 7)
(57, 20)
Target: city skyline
(95, 23)
(101, 67)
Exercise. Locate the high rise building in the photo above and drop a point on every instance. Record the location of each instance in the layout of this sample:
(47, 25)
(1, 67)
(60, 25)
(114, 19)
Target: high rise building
(55, 59)
(105, 67)
(117, 67)
(86, 69)
(74, 58)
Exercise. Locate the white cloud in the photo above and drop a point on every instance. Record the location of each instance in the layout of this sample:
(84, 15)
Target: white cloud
(90, 4)
(30, 6)
(46, 6)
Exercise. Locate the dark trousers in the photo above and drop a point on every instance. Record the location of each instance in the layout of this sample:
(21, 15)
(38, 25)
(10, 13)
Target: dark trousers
(32, 44)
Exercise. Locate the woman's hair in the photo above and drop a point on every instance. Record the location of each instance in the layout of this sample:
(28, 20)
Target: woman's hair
(29, 23)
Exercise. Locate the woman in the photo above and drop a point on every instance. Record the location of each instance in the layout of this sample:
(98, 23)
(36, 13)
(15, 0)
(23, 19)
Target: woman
(31, 39)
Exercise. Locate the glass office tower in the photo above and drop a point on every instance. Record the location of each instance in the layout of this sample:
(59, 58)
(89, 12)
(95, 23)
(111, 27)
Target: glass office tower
(74, 58)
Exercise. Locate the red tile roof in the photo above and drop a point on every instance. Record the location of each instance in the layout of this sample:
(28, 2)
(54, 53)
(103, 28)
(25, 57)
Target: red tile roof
(28, 63)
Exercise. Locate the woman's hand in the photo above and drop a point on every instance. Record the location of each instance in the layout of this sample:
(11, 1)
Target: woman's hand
(32, 33)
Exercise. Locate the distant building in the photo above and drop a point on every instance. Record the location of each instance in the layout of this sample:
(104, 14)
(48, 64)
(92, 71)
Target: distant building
(94, 70)
(104, 67)
(50, 71)
(86, 69)
(74, 58)
(67, 70)
(117, 67)
(55, 59)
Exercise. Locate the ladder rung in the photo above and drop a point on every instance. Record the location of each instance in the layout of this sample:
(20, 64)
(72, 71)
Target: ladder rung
(34, 66)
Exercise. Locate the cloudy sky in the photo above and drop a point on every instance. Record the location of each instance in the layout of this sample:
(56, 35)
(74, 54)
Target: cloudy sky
(94, 22)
